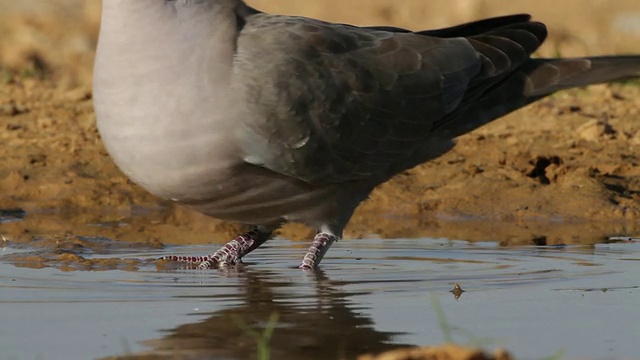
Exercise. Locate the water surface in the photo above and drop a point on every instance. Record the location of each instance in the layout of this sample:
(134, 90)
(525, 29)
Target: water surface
(370, 295)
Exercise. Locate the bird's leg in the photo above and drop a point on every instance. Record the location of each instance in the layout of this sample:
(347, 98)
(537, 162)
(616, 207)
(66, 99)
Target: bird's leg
(230, 253)
(321, 243)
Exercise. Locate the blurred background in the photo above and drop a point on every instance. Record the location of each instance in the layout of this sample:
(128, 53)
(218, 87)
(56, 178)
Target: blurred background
(45, 35)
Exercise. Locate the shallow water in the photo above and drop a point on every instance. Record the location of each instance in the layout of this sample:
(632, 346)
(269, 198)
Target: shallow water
(370, 295)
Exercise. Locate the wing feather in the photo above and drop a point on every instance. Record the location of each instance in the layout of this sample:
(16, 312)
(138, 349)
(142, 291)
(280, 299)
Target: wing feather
(335, 103)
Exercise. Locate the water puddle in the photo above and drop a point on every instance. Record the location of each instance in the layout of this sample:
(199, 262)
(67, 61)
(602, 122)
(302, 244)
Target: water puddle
(370, 295)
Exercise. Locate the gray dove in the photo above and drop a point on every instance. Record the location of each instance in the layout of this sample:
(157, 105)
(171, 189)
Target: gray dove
(266, 119)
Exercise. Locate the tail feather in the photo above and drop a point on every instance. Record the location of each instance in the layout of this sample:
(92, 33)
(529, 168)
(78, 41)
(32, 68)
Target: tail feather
(546, 76)
(536, 79)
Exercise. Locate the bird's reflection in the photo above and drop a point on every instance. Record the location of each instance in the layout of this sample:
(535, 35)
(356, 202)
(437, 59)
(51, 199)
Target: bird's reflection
(322, 323)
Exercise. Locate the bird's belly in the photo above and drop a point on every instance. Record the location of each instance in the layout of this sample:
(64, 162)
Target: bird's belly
(173, 163)
(254, 195)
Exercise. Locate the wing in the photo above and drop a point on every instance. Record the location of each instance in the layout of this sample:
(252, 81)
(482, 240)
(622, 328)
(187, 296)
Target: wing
(333, 103)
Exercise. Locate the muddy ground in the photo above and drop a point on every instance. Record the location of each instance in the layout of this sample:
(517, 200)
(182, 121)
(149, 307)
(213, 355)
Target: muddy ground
(565, 169)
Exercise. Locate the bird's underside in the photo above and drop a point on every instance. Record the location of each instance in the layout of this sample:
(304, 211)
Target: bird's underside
(337, 110)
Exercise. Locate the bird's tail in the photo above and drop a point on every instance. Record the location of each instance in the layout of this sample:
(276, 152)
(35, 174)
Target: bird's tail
(546, 76)
(536, 79)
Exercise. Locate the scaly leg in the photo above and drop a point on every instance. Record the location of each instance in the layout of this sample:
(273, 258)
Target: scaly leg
(229, 254)
(321, 243)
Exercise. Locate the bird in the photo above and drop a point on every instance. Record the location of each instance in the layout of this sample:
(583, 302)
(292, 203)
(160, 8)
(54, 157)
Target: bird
(266, 119)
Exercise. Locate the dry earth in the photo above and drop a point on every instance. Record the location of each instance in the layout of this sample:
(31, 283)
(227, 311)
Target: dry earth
(562, 170)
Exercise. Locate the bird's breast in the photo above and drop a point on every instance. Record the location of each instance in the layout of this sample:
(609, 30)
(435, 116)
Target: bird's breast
(176, 137)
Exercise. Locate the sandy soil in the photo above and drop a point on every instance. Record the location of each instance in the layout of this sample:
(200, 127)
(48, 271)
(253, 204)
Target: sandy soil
(439, 353)
(564, 170)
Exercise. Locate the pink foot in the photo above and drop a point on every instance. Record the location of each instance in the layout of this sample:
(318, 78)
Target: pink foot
(321, 243)
(228, 255)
